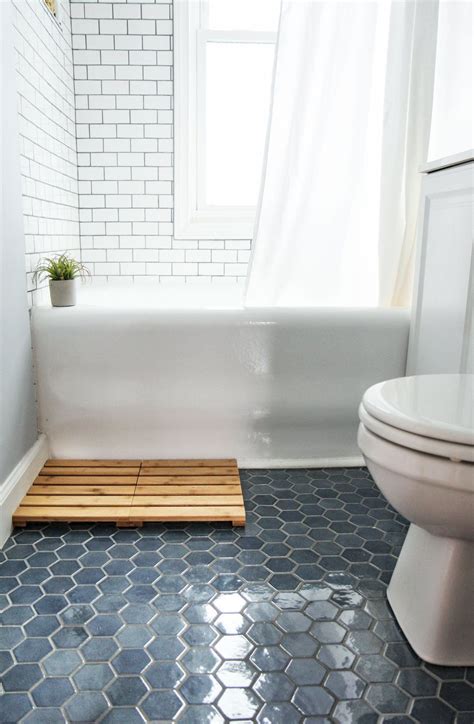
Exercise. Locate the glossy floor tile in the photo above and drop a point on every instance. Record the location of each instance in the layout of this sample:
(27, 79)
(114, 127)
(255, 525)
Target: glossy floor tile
(285, 621)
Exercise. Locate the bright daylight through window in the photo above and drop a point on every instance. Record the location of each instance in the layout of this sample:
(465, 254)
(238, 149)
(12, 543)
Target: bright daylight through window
(224, 62)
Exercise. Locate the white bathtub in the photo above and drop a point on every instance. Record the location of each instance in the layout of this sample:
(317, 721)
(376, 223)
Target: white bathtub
(188, 372)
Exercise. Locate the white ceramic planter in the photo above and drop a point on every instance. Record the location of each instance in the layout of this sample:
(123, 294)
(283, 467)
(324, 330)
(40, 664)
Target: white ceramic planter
(63, 292)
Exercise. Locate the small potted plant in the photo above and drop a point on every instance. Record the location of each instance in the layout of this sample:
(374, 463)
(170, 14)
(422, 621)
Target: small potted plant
(62, 272)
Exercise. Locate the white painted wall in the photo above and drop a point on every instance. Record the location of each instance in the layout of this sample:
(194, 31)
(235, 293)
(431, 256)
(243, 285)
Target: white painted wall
(47, 131)
(17, 404)
(123, 71)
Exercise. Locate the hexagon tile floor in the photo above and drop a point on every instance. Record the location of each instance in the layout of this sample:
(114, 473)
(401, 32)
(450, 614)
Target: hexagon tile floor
(283, 622)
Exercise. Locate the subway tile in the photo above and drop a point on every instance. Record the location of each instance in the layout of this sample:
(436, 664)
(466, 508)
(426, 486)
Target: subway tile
(86, 57)
(143, 57)
(164, 27)
(130, 130)
(130, 102)
(114, 57)
(130, 214)
(117, 173)
(100, 42)
(116, 87)
(156, 42)
(128, 42)
(145, 145)
(102, 101)
(46, 129)
(226, 255)
(117, 144)
(198, 255)
(103, 130)
(131, 187)
(142, 27)
(84, 27)
(143, 87)
(156, 11)
(129, 72)
(121, 129)
(103, 159)
(112, 27)
(120, 10)
(105, 215)
(131, 159)
(101, 72)
(98, 10)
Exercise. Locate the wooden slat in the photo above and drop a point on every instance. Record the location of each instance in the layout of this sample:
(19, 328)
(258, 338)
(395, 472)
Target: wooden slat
(169, 470)
(184, 500)
(128, 492)
(26, 513)
(189, 463)
(117, 472)
(189, 512)
(78, 501)
(86, 480)
(187, 489)
(82, 490)
(92, 463)
(188, 480)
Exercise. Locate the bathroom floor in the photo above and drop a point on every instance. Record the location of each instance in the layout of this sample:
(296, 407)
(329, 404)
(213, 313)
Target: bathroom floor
(285, 621)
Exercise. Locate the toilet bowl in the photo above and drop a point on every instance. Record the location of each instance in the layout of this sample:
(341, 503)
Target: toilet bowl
(417, 437)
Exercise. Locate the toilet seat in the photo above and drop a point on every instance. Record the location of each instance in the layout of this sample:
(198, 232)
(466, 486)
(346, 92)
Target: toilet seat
(430, 413)
(421, 443)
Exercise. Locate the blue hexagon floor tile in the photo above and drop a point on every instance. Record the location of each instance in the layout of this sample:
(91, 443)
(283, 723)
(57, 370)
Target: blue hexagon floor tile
(284, 621)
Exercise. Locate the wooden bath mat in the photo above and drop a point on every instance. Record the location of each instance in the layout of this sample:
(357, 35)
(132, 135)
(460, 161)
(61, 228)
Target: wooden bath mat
(130, 492)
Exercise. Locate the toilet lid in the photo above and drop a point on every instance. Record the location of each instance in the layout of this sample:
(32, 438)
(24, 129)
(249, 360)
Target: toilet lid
(421, 443)
(435, 406)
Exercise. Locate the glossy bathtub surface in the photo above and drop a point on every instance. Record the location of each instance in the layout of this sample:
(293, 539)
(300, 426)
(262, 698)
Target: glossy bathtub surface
(162, 296)
(436, 406)
(209, 378)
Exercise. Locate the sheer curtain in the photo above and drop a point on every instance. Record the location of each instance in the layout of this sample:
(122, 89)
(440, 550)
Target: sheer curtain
(349, 127)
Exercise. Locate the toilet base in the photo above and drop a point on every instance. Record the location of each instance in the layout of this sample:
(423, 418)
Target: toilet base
(432, 596)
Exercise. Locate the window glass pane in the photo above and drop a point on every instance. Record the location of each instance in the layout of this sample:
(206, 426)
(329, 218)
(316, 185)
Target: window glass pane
(238, 88)
(244, 15)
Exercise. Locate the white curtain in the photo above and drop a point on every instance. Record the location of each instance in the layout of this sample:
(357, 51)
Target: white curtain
(349, 127)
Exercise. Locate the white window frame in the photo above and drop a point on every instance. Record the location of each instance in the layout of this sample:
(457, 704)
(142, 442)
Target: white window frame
(193, 219)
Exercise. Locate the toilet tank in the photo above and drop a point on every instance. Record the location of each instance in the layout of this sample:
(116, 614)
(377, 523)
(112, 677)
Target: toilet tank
(441, 330)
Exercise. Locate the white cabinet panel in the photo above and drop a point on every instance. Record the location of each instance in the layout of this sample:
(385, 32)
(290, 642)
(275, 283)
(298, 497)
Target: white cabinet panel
(441, 329)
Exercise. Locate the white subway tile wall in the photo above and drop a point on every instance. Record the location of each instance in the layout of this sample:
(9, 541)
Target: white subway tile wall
(123, 76)
(47, 132)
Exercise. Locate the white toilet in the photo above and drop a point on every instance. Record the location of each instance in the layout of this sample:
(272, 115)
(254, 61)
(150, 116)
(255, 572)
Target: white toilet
(417, 437)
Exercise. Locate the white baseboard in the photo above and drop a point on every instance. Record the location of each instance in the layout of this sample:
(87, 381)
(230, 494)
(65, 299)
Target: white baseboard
(354, 461)
(15, 487)
(22, 476)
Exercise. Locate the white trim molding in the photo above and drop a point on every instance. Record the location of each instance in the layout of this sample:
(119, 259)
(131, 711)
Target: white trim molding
(351, 461)
(193, 219)
(15, 487)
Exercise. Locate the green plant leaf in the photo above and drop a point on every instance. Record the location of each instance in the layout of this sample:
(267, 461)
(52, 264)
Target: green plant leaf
(60, 268)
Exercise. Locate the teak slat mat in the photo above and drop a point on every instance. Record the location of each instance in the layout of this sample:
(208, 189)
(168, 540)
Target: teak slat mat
(130, 492)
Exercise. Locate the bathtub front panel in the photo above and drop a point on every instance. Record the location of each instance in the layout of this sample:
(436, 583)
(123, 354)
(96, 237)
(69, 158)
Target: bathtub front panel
(264, 386)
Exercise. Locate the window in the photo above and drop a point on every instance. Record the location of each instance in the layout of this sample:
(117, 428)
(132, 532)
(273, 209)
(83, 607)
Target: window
(223, 72)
